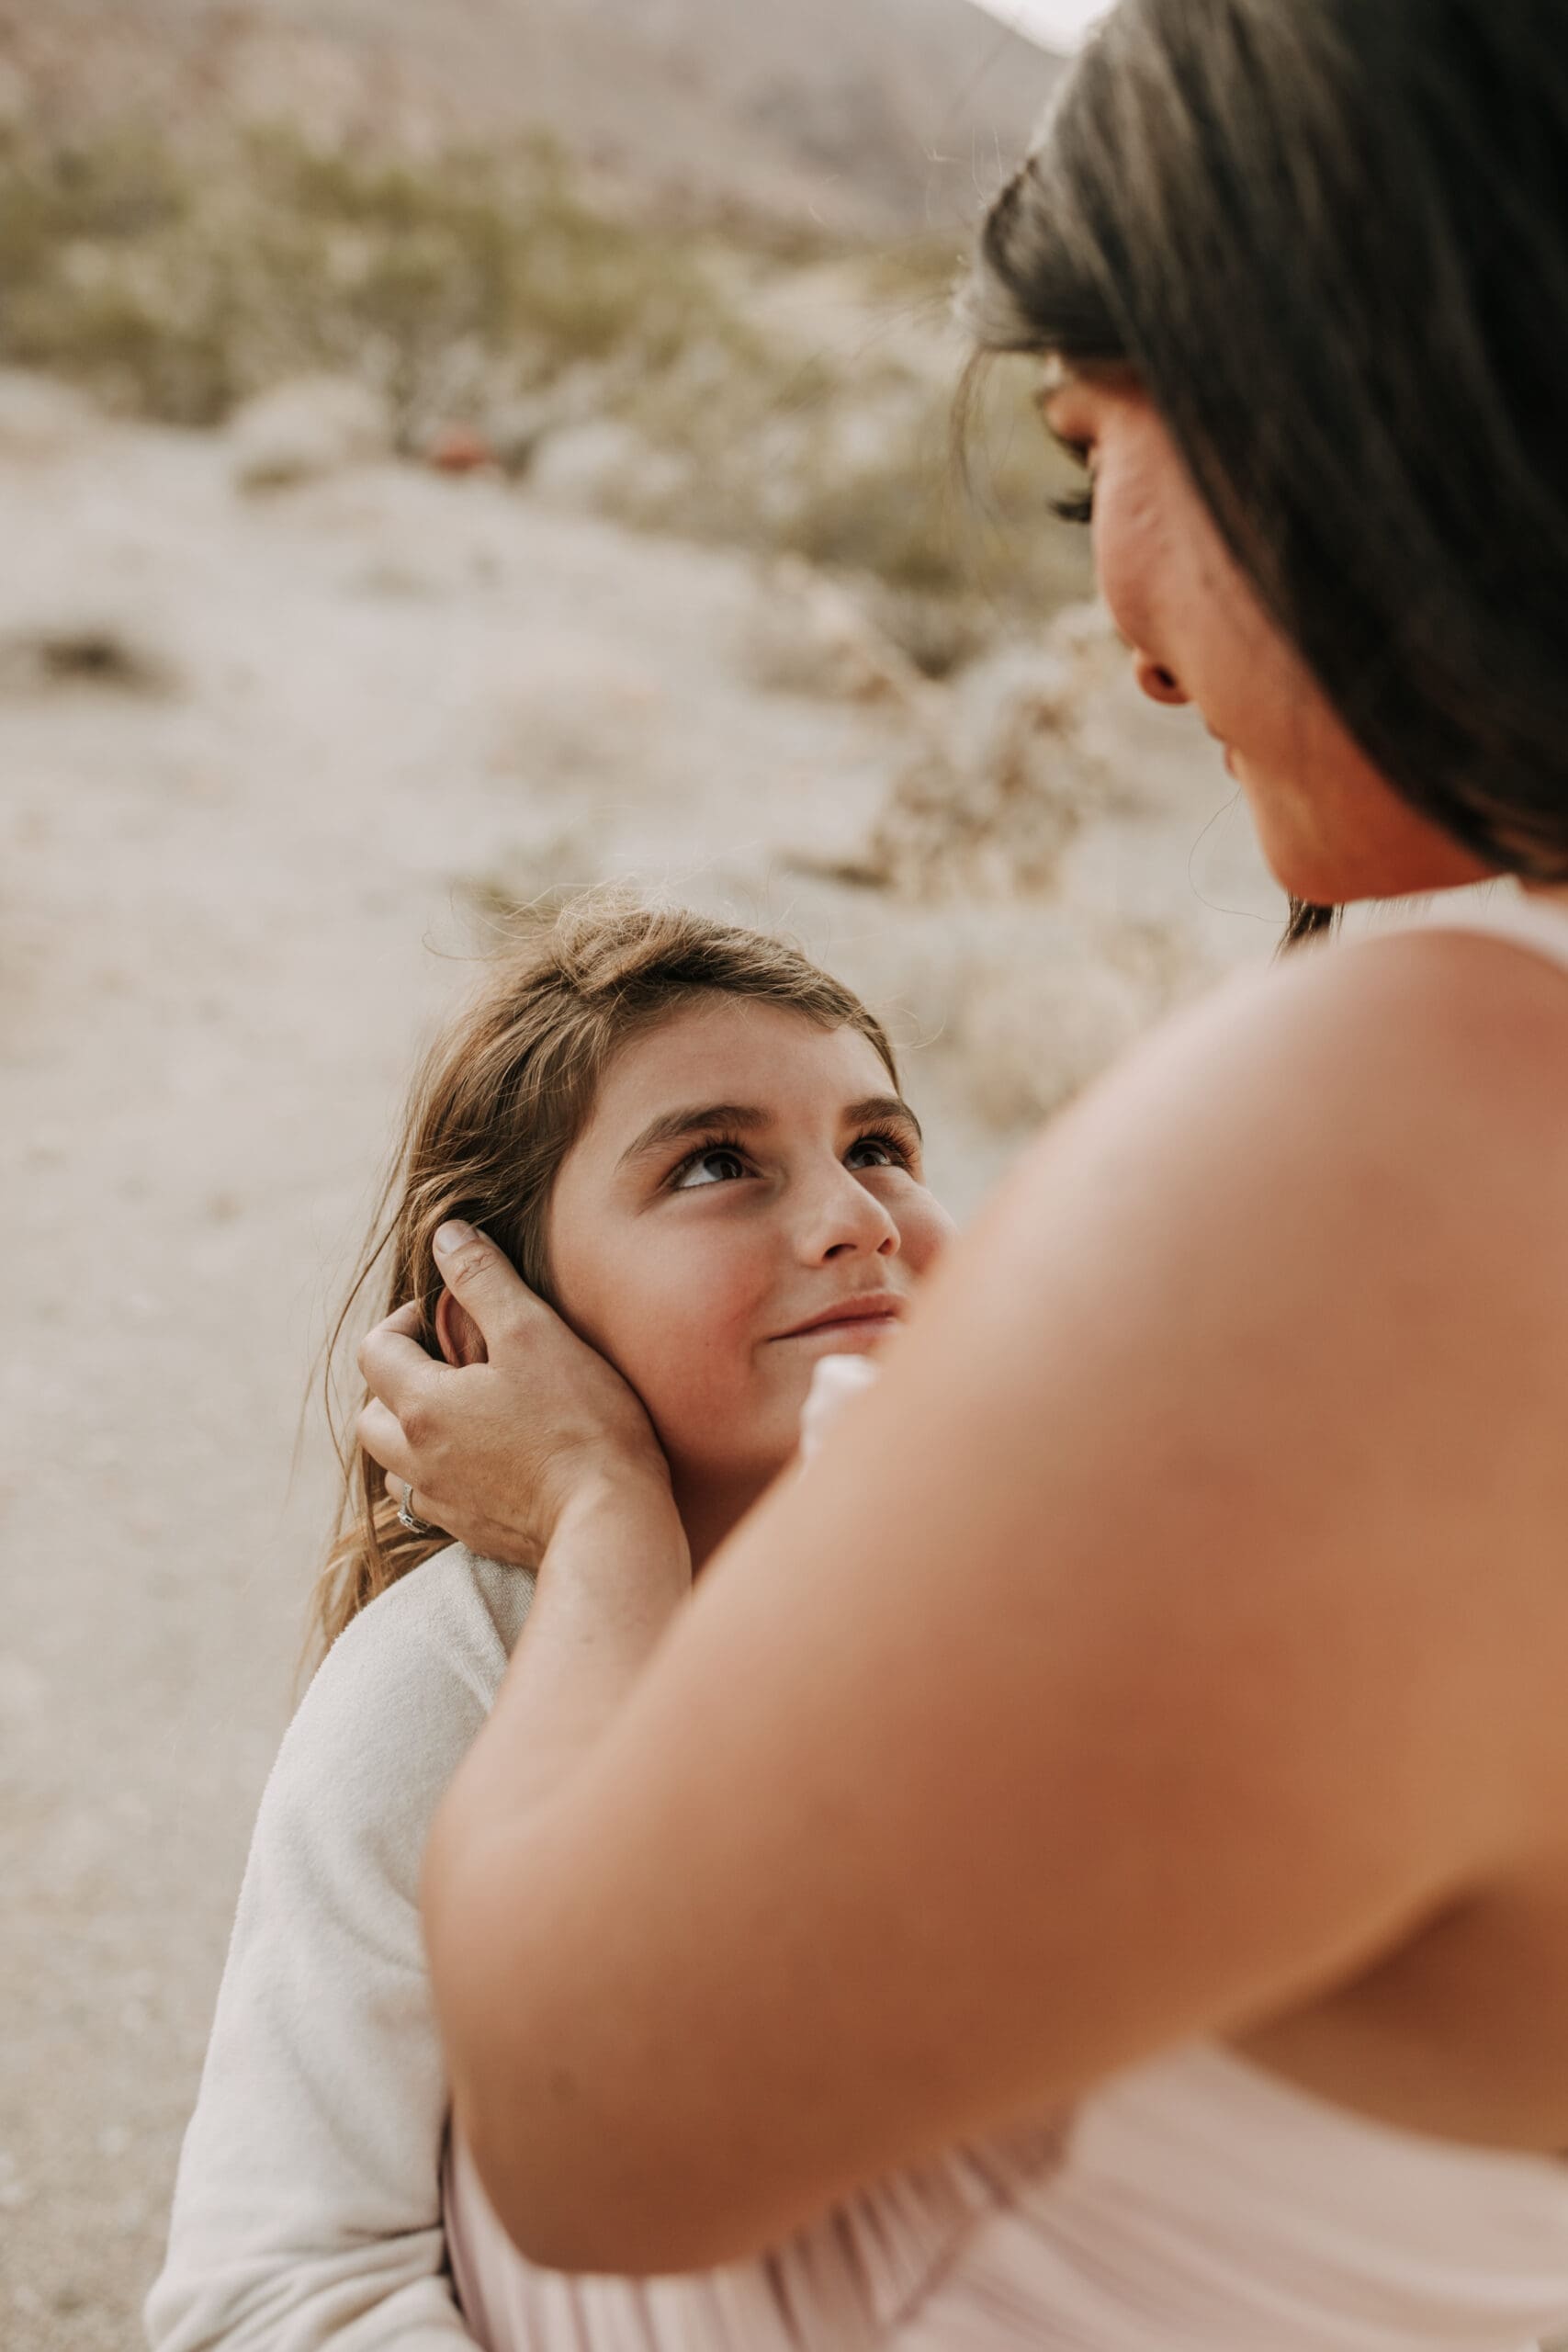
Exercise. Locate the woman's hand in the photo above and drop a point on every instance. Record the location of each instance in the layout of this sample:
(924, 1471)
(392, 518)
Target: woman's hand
(498, 1451)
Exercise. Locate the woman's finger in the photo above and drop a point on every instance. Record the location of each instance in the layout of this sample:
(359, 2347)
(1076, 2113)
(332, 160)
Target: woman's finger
(392, 1361)
(485, 1283)
(381, 1434)
(407, 1499)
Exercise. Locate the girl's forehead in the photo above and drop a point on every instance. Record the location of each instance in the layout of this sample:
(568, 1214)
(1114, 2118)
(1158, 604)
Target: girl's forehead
(736, 1049)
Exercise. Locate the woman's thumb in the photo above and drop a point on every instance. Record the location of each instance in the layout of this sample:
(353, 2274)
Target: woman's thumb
(480, 1276)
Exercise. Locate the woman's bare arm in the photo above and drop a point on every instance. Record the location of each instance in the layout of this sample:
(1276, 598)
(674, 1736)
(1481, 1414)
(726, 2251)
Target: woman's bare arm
(612, 1577)
(1124, 1682)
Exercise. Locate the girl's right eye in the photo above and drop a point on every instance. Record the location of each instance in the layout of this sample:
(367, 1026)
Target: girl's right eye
(715, 1163)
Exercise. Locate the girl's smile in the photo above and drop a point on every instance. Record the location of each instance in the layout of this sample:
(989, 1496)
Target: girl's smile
(851, 1324)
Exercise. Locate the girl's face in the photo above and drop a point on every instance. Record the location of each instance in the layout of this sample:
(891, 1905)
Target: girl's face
(746, 1198)
(1331, 828)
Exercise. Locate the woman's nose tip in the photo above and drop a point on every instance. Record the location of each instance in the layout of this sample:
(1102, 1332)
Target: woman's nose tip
(1154, 680)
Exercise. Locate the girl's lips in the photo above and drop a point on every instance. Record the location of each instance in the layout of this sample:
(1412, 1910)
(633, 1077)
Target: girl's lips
(856, 1338)
(854, 1322)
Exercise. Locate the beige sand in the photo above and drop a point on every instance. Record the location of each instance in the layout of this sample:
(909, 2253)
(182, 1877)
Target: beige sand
(229, 903)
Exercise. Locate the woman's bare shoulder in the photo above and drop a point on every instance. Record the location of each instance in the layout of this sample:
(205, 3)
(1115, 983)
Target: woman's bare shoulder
(1354, 1169)
(1405, 1094)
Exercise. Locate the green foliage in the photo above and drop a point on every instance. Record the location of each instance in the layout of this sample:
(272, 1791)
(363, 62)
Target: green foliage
(175, 284)
(173, 289)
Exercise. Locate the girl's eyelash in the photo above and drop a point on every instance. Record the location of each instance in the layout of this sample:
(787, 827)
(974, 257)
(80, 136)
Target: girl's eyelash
(897, 1141)
(700, 1151)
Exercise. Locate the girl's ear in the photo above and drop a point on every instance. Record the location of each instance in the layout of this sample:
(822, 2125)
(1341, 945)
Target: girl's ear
(461, 1339)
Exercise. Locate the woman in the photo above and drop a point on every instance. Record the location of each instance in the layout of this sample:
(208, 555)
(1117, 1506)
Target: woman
(1154, 1702)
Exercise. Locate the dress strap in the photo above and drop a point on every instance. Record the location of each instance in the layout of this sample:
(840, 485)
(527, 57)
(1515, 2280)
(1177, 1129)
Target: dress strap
(1504, 910)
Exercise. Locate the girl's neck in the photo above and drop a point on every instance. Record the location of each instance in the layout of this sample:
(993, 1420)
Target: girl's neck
(709, 1512)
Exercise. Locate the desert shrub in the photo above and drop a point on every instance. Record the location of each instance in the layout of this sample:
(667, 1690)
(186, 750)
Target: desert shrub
(101, 655)
(478, 285)
(858, 472)
(176, 286)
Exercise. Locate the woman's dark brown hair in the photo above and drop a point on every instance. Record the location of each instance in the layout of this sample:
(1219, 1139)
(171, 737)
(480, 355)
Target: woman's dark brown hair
(1330, 239)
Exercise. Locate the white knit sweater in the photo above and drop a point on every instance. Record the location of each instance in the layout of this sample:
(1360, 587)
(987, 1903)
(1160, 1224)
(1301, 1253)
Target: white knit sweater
(306, 2210)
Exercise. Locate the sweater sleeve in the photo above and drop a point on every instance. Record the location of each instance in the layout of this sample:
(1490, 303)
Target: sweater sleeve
(308, 2206)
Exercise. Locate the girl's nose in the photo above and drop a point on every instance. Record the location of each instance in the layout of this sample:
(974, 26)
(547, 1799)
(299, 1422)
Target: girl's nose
(845, 1218)
(1154, 680)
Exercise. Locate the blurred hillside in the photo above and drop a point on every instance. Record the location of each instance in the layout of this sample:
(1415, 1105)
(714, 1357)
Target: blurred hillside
(689, 262)
(696, 377)
(879, 117)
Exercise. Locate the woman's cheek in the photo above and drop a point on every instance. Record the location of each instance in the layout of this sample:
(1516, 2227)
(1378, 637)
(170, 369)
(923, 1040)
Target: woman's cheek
(1122, 540)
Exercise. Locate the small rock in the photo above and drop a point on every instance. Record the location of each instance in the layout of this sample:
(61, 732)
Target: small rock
(99, 652)
(458, 449)
(302, 431)
(575, 465)
(41, 419)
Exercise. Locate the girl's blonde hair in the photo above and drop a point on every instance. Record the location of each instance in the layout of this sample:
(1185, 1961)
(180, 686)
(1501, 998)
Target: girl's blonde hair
(498, 1103)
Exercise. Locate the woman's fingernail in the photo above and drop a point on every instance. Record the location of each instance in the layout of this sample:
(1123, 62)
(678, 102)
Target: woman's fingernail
(453, 1235)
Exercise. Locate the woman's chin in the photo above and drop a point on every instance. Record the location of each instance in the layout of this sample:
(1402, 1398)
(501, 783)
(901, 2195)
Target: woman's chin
(1376, 847)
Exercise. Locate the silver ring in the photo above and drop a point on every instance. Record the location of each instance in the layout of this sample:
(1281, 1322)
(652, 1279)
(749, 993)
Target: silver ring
(406, 1517)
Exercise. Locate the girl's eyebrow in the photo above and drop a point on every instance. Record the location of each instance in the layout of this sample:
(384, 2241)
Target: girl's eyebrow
(883, 1106)
(672, 1126)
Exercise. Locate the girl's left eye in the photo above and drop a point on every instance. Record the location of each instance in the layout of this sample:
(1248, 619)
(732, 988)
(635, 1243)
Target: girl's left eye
(885, 1152)
(715, 1164)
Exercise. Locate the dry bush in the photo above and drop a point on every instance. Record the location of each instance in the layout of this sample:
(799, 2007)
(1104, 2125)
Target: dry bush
(807, 635)
(1007, 772)
(40, 420)
(178, 289)
(858, 471)
(480, 289)
(1050, 1001)
(99, 654)
(1033, 1034)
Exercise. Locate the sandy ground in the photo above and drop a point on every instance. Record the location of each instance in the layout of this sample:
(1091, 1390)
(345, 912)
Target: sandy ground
(230, 903)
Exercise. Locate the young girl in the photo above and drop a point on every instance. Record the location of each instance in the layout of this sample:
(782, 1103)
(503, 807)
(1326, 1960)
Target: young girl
(694, 1144)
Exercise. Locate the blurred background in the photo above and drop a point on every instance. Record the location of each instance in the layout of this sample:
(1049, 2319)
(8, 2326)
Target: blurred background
(452, 450)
